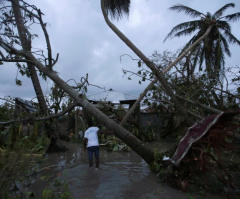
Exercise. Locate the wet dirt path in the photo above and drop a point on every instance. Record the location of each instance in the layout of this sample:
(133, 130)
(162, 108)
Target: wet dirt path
(122, 175)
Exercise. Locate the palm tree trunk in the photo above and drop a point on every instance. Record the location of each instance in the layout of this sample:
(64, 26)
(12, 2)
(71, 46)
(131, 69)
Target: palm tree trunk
(137, 102)
(25, 38)
(159, 74)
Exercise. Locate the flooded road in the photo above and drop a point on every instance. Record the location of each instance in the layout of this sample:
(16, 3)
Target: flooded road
(121, 175)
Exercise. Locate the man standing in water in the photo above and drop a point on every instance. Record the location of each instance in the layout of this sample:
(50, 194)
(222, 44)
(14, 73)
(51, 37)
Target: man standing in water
(92, 144)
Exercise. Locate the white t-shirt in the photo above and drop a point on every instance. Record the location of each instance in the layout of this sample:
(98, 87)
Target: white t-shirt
(91, 135)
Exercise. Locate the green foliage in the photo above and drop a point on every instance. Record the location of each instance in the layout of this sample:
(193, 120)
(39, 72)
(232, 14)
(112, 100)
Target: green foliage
(18, 82)
(26, 140)
(47, 194)
(41, 144)
(114, 144)
(148, 134)
(191, 197)
(6, 112)
(57, 97)
(65, 194)
(59, 190)
(4, 137)
(14, 167)
(196, 87)
(57, 182)
(38, 145)
(158, 156)
(29, 194)
(156, 167)
(157, 164)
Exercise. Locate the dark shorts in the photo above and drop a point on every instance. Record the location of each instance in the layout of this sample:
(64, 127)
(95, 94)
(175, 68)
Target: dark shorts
(93, 150)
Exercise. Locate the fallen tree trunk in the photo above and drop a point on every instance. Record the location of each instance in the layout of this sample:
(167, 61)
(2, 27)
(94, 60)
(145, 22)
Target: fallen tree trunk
(119, 131)
(127, 137)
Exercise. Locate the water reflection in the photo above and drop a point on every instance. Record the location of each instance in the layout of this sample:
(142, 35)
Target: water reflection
(121, 175)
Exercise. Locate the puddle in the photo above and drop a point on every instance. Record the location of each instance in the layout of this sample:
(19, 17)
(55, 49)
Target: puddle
(121, 175)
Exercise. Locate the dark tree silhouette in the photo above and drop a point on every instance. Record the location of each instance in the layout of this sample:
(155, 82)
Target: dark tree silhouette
(116, 8)
(213, 48)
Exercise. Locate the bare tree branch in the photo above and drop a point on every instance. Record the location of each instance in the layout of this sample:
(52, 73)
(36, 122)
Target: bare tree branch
(16, 60)
(199, 104)
(228, 93)
(41, 118)
(136, 74)
(43, 25)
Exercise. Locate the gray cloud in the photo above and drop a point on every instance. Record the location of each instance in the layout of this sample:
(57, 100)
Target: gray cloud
(86, 45)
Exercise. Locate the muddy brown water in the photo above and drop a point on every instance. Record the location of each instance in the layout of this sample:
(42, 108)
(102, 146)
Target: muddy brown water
(122, 175)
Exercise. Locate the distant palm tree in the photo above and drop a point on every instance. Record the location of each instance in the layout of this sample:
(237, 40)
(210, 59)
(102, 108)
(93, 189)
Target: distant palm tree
(213, 48)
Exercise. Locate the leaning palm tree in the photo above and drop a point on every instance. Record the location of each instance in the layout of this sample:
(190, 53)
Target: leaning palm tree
(213, 48)
(116, 9)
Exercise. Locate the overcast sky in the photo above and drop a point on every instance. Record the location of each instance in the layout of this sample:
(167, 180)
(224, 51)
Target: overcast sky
(85, 43)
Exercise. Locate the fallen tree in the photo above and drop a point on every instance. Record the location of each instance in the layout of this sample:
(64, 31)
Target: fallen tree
(27, 56)
(22, 55)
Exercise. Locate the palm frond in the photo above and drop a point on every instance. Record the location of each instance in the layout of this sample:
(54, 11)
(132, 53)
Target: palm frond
(190, 42)
(185, 32)
(218, 60)
(212, 49)
(186, 25)
(208, 55)
(225, 45)
(189, 11)
(116, 8)
(223, 25)
(219, 12)
(196, 58)
(201, 58)
(231, 38)
(233, 17)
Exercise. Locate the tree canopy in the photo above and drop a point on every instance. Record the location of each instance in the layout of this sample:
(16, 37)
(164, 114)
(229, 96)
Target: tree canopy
(215, 46)
(116, 8)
